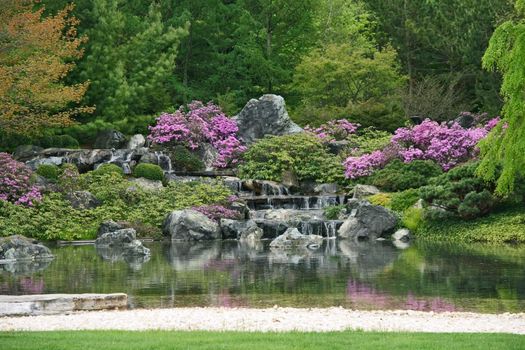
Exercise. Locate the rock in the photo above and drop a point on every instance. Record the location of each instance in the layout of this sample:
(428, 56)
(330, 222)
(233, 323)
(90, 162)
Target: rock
(323, 189)
(416, 120)
(367, 221)
(26, 152)
(208, 154)
(109, 226)
(464, 120)
(123, 242)
(190, 225)
(336, 147)
(363, 191)
(108, 139)
(18, 248)
(402, 235)
(265, 116)
(240, 229)
(82, 200)
(136, 141)
(148, 185)
(293, 239)
(242, 208)
(289, 179)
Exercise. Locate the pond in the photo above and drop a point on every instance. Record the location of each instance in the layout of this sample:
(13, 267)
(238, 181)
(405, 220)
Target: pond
(369, 275)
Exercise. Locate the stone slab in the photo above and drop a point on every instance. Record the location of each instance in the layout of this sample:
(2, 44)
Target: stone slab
(52, 304)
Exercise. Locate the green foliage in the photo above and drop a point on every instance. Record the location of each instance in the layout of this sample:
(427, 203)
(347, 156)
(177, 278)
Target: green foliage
(368, 140)
(399, 176)
(303, 154)
(505, 145)
(459, 192)
(183, 159)
(413, 219)
(382, 199)
(49, 171)
(59, 141)
(404, 200)
(332, 212)
(149, 171)
(108, 168)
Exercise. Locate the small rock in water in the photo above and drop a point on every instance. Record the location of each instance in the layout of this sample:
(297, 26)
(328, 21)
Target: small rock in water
(293, 239)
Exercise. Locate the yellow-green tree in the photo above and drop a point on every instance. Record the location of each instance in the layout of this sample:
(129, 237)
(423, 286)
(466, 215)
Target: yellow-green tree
(36, 54)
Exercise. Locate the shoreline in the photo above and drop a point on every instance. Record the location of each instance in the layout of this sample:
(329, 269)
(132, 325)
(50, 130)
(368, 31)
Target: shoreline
(275, 319)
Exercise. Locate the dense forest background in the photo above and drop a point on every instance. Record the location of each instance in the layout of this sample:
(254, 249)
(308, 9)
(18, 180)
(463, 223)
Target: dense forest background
(373, 62)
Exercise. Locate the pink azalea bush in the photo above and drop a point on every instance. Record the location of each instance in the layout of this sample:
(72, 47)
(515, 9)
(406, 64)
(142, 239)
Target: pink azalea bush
(217, 212)
(198, 124)
(447, 145)
(334, 130)
(15, 184)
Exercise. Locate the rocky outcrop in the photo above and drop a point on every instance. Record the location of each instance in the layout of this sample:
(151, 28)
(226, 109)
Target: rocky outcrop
(18, 248)
(366, 221)
(145, 184)
(82, 200)
(136, 141)
(293, 239)
(190, 225)
(108, 139)
(240, 229)
(363, 191)
(265, 116)
(116, 243)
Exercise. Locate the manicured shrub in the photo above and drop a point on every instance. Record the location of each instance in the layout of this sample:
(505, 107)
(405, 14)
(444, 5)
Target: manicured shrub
(149, 171)
(399, 176)
(49, 171)
(413, 219)
(60, 141)
(382, 199)
(404, 200)
(15, 182)
(183, 159)
(303, 154)
(108, 168)
(459, 193)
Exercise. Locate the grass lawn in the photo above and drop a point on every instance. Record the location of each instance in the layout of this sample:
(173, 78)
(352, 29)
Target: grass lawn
(112, 340)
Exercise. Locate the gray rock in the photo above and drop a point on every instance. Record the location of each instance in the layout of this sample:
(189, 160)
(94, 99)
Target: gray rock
(148, 185)
(82, 200)
(265, 116)
(289, 179)
(326, 189)
(402, 235)
(18, 248)
(123, 242)
(464, 120)
(336, 147)
(109, 226)
(108, 139)
(208, 154)
(240, 229)
(190, 225)
(136, 141)
(25, 152)
(293, 239)
(362, 191)
(367, 221)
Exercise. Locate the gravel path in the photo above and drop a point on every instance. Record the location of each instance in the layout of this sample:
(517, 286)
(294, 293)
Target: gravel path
(275, 319)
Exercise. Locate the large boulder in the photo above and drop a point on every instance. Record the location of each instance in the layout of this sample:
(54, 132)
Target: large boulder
(82, 200)
(367, 221)
(265, 116)
(26, 152)
(18, 248)
(108, 139)
(240, 229)
(363, 191)
(190, 225)
(122, 242)
(136, 141)
(293, 239)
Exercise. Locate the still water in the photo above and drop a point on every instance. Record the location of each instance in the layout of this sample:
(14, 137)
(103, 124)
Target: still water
(370, 275)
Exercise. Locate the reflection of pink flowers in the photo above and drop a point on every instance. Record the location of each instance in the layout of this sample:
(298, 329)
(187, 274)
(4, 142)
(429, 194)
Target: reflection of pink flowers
(361, 294)
(434, 304)
(28, 285)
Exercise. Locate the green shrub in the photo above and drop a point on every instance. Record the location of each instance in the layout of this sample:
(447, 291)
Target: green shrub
(300, 153)
(399, 176)
(459, 193)
(404, 200)
(184, 160)
(49, 171)
(413, 218)
(382, 199)
(368, 140)
(107, 169)
(332, 212)
(60, 141)
(149, 171)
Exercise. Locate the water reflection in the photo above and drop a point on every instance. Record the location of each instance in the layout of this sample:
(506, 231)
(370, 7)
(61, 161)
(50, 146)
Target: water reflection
(360, 275)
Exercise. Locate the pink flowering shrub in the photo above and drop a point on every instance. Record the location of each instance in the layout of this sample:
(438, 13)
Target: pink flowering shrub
(334, 130)
(446, 145)
(15, 184)
(198, 124)
(217, 212)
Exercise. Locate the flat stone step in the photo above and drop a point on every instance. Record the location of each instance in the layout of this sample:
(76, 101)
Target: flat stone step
(52, 304)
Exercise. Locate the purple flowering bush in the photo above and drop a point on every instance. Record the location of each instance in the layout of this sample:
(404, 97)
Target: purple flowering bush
(197, 124)
(15, 182)
(447, 145)
(334, 130)
(217, 212)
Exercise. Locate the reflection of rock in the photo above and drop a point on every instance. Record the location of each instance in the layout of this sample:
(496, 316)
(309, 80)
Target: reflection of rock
(194, 255)
(121, 244)
(367, 221)
(114, 254)
(18, 248)
(293, 239)
(25, 267)
(370, 257)
(190, 225)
